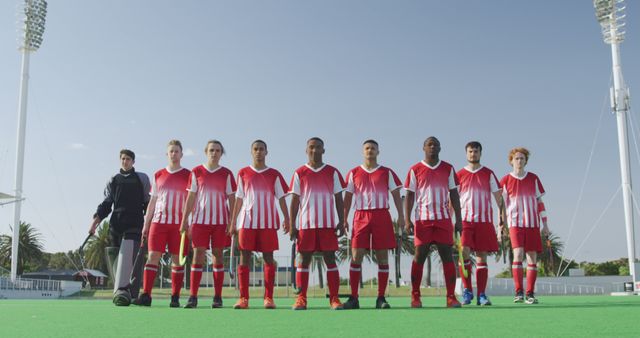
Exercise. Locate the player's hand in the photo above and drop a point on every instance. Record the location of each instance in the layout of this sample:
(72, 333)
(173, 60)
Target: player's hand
(545, 230)
(94, 226)
(184, 227)
(293, 234)
(145, 231)
(231, 230)
(340, 229)
(408, 227)
(286, 225)
(346, 227)
(458, 226)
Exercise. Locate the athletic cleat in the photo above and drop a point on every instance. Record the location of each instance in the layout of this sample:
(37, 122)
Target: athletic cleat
(483, 300)
(351, 303)
(217, 302)
(452, 302)
(122, 298)
(531, 299)
(416, 303)
(192, 303)
(241, 304)
(381, 303)
(143, 300)
(467, 296)
(269, 304)
(175, 301)
(300, 304)
(519, 298)
(335, 303)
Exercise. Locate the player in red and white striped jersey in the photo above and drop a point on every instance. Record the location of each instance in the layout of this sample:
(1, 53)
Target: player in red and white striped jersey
(433, 184)
(162, 223)
(368, 186)
(522, 192)
(477, 184)
(257, 220)
(211, 187)
(316, 196)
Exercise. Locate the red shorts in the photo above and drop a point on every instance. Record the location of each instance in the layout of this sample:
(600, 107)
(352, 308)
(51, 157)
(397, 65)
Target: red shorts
(162, 236)
(261, 240)
(527, 238)
(428, 232)
(209, 236)
(479, 236)
(373, 229)
(310, 240)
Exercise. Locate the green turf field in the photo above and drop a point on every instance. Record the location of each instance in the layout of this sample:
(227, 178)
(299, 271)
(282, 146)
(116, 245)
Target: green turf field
(554, 316)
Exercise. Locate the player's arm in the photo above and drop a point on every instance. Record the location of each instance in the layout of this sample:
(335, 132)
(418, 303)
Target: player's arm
(151, 209)
(340, 210)
(397, 200)
(286, 223)
(293, 215)
(237, 205)
(186, 212)
(104, 208)
(542, 211)
(408, 207)
(454, 197)
(497, 195)
(348, 198)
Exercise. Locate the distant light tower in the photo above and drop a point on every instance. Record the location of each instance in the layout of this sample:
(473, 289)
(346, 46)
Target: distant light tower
(31, 18)
(610, 15)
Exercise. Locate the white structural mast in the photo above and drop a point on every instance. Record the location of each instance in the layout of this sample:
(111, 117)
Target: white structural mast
(610, 15)
(31, 18)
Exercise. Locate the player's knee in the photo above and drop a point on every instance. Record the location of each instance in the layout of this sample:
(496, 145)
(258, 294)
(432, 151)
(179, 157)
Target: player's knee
(329, 257)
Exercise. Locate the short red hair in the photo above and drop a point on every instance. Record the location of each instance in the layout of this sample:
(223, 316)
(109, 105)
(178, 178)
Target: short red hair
(514, 151)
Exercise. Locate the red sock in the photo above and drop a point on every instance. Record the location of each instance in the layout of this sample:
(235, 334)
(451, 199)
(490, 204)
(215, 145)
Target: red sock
(148, 278)
(466, 282)
(302, 279)
(269, 279)
(355, 271)
(416, 277)
(383, 279)
(333, 279)
(177, 277)
(196, 276)
(482, 274)
(449, 270)
(516, 271)
(243, 279)
(532, 275)
(218, 279)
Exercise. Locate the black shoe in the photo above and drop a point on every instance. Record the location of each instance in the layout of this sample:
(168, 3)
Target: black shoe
(351, 303)
(122, 297)
(175, 301)
(519, 298)
(531, 299)
(192, 303)
(217, 303)
(381, 303)
(143, 300)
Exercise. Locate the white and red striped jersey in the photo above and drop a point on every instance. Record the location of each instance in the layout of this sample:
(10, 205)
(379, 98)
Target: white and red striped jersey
(521, 199)
(316, 188)
(212, 188)
(431, 186)
(371, 189)
(170, 190)
(260, 191)
(476, 189)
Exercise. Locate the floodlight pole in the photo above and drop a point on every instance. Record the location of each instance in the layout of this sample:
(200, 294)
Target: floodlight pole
(610, 14)
(32, 19)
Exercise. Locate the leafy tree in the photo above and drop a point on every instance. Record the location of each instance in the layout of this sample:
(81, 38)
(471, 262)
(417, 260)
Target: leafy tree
(29, 249)
(94, 250)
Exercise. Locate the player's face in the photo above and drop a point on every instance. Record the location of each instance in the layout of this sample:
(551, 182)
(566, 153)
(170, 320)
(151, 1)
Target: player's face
(315, 149)
(126, 162)
(370, 151)
(259, 152)
(519, 161)
(431, 148)
(174, 154)
(214, 152)
(473, 155)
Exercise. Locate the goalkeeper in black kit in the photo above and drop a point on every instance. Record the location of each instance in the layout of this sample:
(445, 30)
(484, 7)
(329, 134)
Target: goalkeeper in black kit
(127, 194)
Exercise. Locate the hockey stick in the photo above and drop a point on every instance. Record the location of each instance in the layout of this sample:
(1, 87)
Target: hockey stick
(138, 262)
(232, 274)
(81, 249)
(182, 257)
(340, 295)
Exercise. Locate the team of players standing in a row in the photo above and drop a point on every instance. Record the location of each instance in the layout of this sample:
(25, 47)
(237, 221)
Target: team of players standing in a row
(209, 204)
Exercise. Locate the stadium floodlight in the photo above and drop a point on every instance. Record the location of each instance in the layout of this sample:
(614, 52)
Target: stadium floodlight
(610, 15)
(31, 19)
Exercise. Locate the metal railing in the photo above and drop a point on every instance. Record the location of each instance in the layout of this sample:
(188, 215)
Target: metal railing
(26, 284)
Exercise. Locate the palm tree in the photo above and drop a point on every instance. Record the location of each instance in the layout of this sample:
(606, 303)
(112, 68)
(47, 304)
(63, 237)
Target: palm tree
(551, 254)
(29, 248)
(94, 256)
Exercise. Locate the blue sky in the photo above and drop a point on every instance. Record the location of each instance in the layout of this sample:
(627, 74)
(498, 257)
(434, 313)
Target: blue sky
(136, 74)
